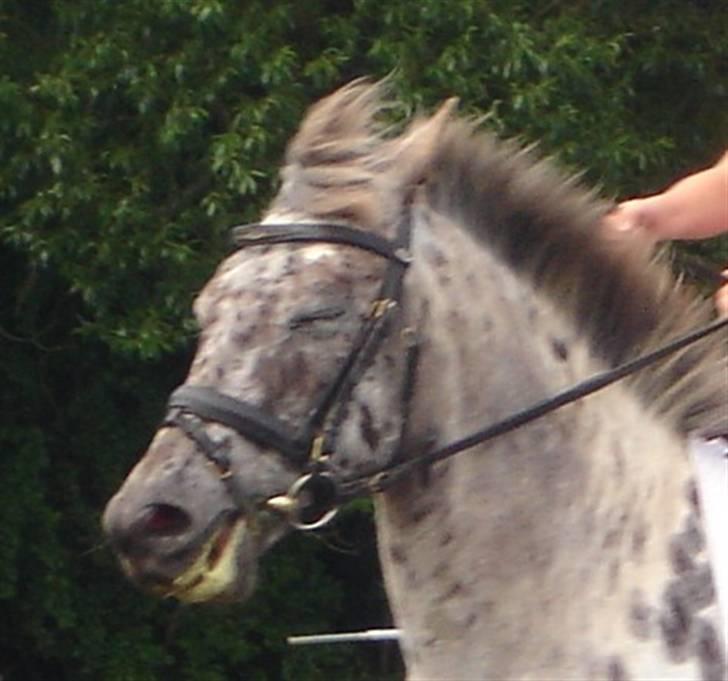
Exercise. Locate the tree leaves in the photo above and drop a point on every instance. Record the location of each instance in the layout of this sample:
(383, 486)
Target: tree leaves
(133, 135)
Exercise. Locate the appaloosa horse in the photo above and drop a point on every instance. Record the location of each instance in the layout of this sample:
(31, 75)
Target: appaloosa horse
(400, 292)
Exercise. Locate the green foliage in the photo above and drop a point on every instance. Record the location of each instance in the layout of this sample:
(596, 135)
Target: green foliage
(133, 135)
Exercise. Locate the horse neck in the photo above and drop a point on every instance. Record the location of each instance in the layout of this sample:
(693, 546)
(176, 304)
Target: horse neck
(544, 553)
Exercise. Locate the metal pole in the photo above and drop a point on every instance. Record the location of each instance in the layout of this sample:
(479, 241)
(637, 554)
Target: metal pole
(349, 637)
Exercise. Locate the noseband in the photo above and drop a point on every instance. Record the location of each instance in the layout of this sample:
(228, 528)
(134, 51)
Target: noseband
(310, 447)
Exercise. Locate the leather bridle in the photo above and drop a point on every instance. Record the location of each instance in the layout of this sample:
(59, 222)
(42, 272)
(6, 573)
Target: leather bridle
(310, 447)
(316, 495)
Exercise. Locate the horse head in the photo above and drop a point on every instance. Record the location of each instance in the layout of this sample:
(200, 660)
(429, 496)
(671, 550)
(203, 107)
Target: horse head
(301, 371)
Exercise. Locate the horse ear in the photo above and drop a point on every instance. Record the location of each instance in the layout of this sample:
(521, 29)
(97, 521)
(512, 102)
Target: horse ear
(416, 148)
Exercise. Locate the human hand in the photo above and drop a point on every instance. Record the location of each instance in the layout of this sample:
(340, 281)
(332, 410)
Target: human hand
(721, 297)
(633, 217)
(625, 217)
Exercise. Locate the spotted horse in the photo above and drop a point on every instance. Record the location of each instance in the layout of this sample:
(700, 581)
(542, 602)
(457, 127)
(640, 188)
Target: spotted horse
(402, 289)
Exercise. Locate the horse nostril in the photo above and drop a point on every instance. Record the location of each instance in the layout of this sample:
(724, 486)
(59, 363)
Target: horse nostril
(164, 520)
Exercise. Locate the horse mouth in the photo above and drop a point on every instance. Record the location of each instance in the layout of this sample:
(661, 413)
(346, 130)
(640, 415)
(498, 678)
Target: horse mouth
(213, 574)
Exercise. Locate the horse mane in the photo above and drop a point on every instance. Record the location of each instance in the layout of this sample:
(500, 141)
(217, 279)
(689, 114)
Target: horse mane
(344, 165)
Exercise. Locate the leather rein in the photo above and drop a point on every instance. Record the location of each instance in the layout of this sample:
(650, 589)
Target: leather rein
(314, 498)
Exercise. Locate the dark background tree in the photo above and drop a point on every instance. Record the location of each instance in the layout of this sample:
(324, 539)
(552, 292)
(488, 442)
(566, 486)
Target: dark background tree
(132, 136)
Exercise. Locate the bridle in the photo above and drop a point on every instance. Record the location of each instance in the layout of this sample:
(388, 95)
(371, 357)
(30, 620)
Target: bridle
(316, 495)
(310, 447)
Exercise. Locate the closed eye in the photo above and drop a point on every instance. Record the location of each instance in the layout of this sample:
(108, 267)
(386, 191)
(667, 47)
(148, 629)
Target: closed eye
(315, 315)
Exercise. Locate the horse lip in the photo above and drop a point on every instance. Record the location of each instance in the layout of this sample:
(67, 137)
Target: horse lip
(220, 541)
(158, 573)
(212, 573)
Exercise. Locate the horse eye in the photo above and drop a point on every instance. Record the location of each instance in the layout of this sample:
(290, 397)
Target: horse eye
(315, 315)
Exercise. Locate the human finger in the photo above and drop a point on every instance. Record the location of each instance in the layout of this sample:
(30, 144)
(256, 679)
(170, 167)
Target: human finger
(626, 217)
(721, 297)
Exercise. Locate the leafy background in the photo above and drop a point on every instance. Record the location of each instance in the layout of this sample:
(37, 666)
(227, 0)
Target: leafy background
(132, 136)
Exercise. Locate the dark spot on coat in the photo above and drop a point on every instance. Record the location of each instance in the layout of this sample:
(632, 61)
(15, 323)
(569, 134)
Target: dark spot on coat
(265, 310)
(649, 492)
(435, 256)
(397, 554)
(291, 265)
(470, 620)
(368, 431)
(710, 652)
(680, 558)
(555, 656)
(390, 362)
(420, 512)
(219, 373)
(616, 670)
(424, 475)
(453, 590)
(611, 537)
(440, 470)
(614, 534)
(446, 538)
(244, 335)
(618, 456)
(410, 577)
(692, 535)
(594, 670)
(675, 621)
(560, 349)
(639, 538)
(693, 497)
(300, 366)
(455, 319)
(640, 616)
(615, 568)
(696, 587)
(440, 569)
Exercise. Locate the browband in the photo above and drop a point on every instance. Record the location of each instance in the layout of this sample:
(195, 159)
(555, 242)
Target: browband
(261, 234)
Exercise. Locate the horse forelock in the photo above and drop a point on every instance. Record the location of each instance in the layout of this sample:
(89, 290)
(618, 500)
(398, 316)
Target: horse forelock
(336, 163)
(342, 165)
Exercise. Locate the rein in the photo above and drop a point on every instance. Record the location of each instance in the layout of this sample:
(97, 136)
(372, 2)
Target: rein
(384, 478)
(315, 497)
